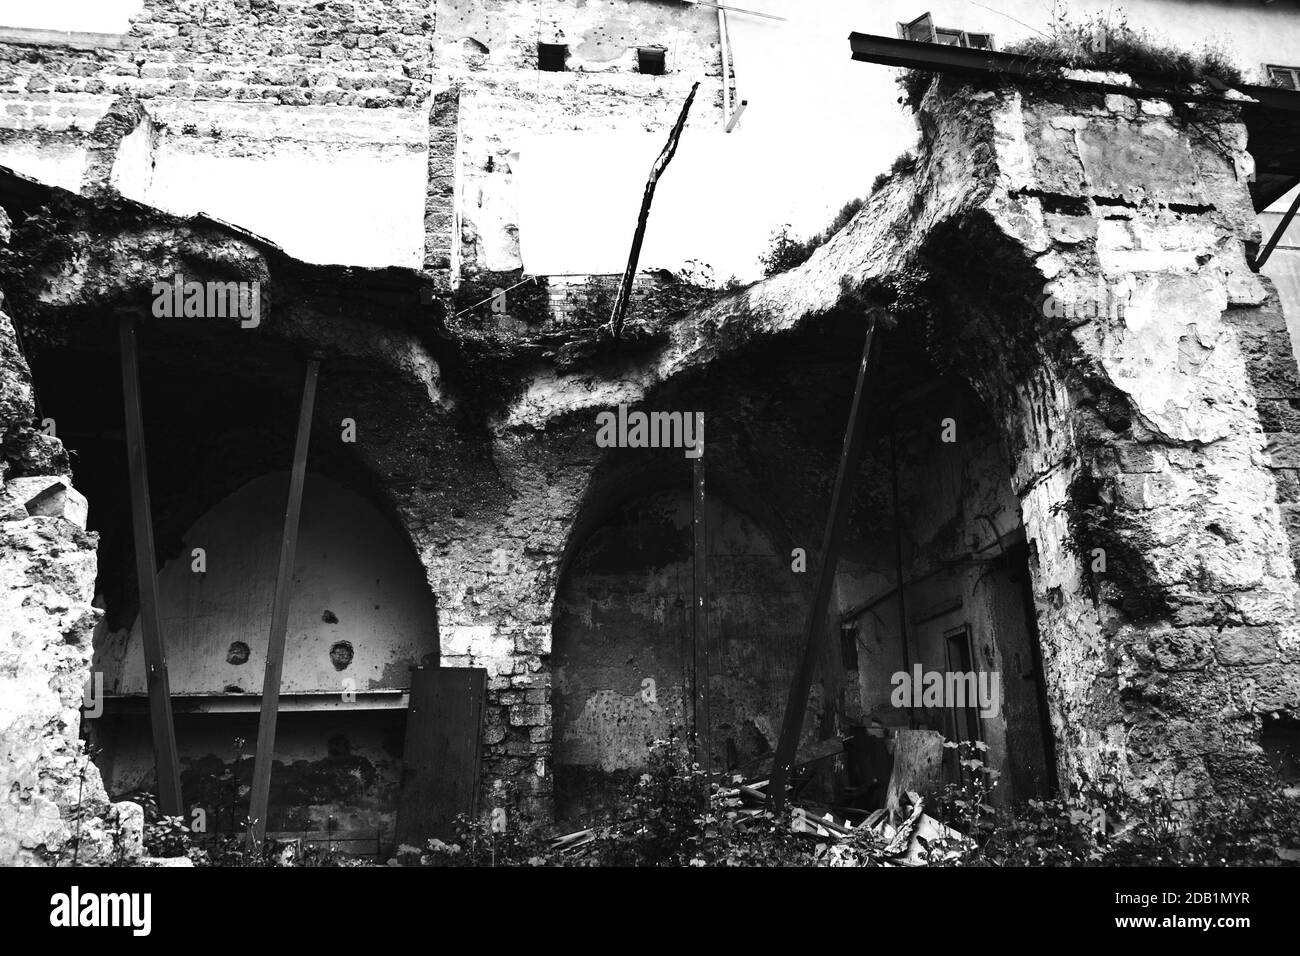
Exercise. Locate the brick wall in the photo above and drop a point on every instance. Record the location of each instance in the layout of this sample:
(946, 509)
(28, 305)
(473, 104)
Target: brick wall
(372, 53)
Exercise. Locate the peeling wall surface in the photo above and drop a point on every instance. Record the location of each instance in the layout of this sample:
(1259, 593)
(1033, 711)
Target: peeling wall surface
(623, 646)
(1088, 391)
(361, 611)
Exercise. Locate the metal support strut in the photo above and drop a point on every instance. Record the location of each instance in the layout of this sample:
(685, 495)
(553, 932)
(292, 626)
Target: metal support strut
(792, 720)
(260, 798)
(166, 761)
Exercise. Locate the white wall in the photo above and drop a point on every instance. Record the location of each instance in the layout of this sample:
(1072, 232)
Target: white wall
(350, 562)
(331, 185)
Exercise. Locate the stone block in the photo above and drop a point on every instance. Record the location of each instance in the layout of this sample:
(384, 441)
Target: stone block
(1234, 646)
(48, 496)
(530, 715)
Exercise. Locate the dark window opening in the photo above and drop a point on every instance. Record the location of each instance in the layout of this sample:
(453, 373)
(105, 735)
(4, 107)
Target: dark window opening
(651, 60)
(552, 57)
(1287, 77)
(923, 30)
(849, 646)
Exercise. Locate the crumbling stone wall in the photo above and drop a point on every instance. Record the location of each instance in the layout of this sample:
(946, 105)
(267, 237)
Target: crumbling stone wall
(1136, 438)
(371, 53)
(1165, 588)
(53, 808)
(1142, 435)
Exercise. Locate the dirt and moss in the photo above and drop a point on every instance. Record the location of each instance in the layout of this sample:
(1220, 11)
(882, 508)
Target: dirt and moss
(1102, 42)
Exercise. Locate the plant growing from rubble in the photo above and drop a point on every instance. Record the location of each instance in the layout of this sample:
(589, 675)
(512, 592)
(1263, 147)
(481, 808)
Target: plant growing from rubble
(1098, 42)
(906, 163)
(785, 251)
(1107, 42)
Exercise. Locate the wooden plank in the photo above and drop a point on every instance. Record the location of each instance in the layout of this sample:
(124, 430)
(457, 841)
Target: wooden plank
(638, 235)
(822, 749)
(841, 497)
(259, 800)
(700, 618)
(166, 762)
(441, 757)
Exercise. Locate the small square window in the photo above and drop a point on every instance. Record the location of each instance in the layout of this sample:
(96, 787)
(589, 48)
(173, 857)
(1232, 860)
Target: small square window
(552, 57)
(1284, 76)
(651, 60)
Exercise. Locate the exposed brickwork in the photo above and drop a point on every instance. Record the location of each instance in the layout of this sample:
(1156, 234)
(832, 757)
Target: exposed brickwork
(371, 53)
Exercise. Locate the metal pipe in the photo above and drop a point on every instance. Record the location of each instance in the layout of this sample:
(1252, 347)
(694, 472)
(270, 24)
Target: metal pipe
(166, 761)
(726, 70)
(259, 800)
(700, 616)
(841, 499)
(898, 563)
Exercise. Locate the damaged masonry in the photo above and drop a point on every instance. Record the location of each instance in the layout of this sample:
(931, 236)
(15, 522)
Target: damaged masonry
(307, 548)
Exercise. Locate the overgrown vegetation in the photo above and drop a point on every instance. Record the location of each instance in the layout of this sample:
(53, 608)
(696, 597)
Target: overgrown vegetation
(905, 163)
(675, 815)
(785, 251)
(1101, 42)
(1108, 42)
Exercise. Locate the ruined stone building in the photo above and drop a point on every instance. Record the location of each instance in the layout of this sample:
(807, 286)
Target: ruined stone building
(1081, 461)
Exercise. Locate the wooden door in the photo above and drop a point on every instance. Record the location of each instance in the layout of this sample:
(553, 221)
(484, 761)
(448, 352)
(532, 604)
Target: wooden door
(440, 774)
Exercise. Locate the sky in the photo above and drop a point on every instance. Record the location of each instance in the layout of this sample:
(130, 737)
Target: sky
(91, 16)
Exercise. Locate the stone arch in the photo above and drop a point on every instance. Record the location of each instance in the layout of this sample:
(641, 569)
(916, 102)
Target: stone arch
(357, 585)
(775, 413)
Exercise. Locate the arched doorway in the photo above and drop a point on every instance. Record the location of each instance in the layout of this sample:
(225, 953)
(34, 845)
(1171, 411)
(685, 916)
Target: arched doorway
(932, 507)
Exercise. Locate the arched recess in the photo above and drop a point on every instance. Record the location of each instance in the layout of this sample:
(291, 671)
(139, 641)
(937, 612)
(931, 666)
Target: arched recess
(361, 615)
(775, 414)
(361, 611)
(623, 643)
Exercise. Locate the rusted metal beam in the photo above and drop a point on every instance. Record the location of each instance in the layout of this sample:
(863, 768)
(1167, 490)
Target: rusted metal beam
(259, 800)
(841, 498)
(638, 236)
(700, 618)
(166, 761)
(944, 58)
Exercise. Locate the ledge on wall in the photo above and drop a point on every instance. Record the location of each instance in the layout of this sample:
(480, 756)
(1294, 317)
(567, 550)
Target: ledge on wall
(252, 703)
(71, 39)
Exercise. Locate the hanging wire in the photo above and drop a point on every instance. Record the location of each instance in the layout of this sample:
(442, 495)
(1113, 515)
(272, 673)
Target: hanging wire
(470, 308)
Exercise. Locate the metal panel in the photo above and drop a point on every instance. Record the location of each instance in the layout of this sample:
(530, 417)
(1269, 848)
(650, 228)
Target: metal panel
(440, 776)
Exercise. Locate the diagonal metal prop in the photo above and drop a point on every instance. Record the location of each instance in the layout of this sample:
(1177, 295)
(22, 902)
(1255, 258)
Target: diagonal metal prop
(814, 635)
